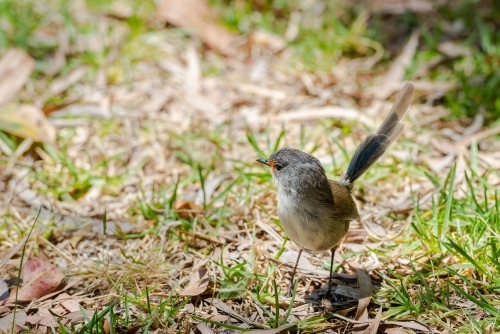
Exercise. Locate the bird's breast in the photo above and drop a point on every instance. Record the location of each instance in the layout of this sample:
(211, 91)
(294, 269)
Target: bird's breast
(309, 226)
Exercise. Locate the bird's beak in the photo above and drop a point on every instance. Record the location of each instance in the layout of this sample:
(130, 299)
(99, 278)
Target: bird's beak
(264, 161)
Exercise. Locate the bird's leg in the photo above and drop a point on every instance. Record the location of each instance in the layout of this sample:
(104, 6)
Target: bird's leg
(292, 283)
(331, 271)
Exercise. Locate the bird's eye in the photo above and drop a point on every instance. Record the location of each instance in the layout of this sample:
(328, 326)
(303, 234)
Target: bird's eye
(278, 167)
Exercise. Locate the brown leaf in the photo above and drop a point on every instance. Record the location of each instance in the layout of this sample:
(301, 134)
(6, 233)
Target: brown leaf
(360, 327)
(204, 329)
(133, 329)
(374, 324)
(78, 316)
(27, 121)
(71, 305)
(395, 330)
(198, 283)
(15, 68)
(41, 319)
(186, 209)
(364, 286)
(198, 16)
(68, 302)
(40, 277)
(6, 322)
(411, 325)
(47, 317)
(106, 326)
(4, 310)
(69, 284)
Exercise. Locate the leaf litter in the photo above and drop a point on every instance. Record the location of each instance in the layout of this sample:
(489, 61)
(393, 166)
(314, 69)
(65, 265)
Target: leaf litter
(146, 137)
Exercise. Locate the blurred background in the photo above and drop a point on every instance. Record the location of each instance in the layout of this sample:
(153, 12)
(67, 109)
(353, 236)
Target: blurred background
(455, 55)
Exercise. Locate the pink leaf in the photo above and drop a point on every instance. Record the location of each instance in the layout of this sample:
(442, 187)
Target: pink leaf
(40, 277)
(198, 283)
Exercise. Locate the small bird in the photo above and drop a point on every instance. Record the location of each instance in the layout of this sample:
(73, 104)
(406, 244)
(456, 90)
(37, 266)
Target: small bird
(314, 211)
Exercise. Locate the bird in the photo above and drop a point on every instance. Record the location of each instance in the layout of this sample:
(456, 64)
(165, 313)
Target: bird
(315, 212)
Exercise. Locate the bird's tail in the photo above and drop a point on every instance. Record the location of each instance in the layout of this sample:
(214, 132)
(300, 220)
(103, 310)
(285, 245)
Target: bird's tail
(375, 144)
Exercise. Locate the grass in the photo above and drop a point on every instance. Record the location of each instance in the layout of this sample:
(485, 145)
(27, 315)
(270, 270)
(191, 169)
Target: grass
(139, 167)
(338, 32)
(459, 260)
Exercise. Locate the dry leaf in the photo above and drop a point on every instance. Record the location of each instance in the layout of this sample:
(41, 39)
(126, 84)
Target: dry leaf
(45, 317)
(395, 330)
(106, 326)
(57, 311)
(198, 283)
(198, 16)
(204, 329)
(6, 322)
(290, 256)
(374, 324)
(360, 327)
(393, 79)
(186, 209)
(68, 302)
(268, 40)
(133, 329)
(411, 325)
(61, 84)
(220, 305)
(4, 290)
(41, 320)
(40, 277)
(4, 310)
(364, 288)
(15, 68)
(71, 305)
(27, 121)
(70, 284)
(78, 316)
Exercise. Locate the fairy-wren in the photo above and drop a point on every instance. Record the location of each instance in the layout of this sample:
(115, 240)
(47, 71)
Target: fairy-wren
(314, 211)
